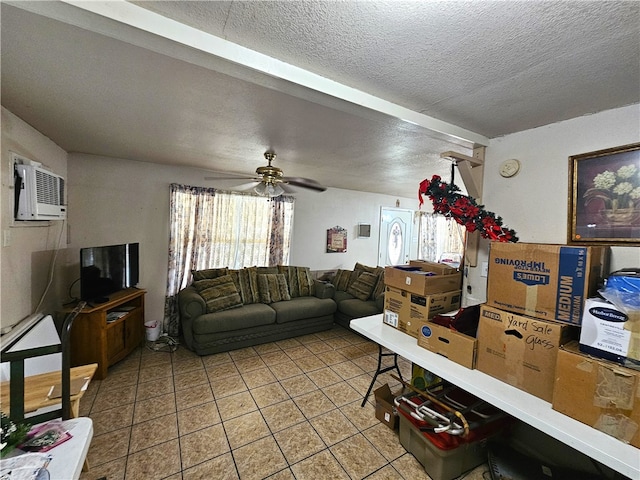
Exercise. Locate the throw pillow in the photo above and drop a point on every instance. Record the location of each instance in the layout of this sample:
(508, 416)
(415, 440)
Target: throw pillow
(246, 282)
(219, 293)
(363, 286)
(208, 273)
(273, 288)
(299, 280)
(365, 268)
(341, 280)
(379, 288)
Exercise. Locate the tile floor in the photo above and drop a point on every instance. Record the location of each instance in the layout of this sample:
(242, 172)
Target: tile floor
(283, 410)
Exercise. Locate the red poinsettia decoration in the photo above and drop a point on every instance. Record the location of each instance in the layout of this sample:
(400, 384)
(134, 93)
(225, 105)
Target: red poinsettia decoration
(463, 209)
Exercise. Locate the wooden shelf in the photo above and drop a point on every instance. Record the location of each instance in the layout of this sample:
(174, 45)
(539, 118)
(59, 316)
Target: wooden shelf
(94, 340)
(619, 456)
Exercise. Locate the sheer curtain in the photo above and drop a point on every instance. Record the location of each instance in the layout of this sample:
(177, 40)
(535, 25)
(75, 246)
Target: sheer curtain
(209, 228)
(438, 236)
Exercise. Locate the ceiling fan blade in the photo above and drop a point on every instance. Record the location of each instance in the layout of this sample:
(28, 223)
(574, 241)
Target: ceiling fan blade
(304, 183)
(246, 177)
(287, 188)
(246, 186)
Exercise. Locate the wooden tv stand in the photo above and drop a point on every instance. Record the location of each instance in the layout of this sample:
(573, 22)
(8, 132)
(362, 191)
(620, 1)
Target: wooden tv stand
(94, 340)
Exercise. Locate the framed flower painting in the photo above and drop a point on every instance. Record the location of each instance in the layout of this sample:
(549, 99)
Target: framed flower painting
(604, 197)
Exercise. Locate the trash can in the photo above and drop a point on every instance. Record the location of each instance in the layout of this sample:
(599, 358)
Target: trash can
(153, 330)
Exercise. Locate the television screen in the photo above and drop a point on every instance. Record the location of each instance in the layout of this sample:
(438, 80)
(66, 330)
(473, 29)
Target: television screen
(108, 269)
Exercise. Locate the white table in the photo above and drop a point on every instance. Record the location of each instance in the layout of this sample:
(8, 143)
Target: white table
(621, 457)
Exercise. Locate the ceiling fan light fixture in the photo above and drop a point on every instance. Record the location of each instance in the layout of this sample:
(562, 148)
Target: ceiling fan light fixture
(268, 190)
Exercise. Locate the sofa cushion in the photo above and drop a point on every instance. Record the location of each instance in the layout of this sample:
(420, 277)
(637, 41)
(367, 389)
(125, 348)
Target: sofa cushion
(208, 273)
(364, 268)
(246, 282)
(302, 308)
(219, 293)
(273, 288)
(243, 318)
(379, 288)
(299, 280)
(363, 286)
(341, 280)
(354, 308)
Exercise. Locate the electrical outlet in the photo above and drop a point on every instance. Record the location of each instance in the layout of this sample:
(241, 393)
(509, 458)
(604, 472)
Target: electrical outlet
(485, 269)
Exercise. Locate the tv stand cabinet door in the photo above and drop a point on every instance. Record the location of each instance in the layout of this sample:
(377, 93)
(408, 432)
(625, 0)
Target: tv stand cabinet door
(89, 341)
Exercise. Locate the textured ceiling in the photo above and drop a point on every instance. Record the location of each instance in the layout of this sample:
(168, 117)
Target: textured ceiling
(112, 86)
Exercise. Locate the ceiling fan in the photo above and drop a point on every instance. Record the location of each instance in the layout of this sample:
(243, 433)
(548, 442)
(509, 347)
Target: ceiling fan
(272, 182)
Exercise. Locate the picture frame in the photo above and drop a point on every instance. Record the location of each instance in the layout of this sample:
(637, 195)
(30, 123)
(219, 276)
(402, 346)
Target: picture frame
(604, 197)
(336, 240)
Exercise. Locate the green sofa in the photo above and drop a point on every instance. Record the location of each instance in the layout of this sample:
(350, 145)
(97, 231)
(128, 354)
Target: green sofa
(259, 305)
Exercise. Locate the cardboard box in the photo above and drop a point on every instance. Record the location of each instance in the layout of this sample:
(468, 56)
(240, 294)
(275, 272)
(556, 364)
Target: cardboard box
(550, 282)
(599, 393)
(455, 346)
(520, 350)
(606, 333)
(423, 281)
(437, 268)
(385, 411)
(404, 310)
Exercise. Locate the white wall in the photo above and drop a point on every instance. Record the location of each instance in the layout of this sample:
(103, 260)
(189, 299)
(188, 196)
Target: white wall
(535, 202)
(27, 247)
(118, 201)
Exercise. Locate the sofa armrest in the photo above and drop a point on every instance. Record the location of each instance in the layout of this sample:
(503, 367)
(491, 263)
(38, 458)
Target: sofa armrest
(323, 289)
(190, 305)
(380, 302)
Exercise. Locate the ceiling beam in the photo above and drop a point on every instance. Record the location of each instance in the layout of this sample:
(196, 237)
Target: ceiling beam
(143, 20)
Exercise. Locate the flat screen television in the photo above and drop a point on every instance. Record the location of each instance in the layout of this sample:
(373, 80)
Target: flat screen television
(106, 270)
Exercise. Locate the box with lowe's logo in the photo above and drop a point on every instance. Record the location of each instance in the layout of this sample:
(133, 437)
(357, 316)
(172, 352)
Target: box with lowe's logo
(607, 332)
(546, 281)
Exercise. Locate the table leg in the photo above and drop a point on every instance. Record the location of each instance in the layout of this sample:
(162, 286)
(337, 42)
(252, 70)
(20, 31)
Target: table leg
(380, 370)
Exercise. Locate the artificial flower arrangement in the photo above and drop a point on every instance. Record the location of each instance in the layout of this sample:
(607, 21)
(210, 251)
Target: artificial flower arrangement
(619, 189)
(11, 435)
(464, 209)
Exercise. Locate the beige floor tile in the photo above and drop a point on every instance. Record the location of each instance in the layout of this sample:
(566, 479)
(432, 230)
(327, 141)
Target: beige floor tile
(203, 445)
(320, 466)
(269, 395)
(385, 440)
(309, 363)
(282, 415)
(114, 470)
(288, 343)
(222, 370)
(196, 418)
(361, 384)
(193, 396)
(216, 359)
(158, 462)
(367, 363)
(245, 429)
(115, 397)
(236, 405)
(331, 357)
(285, 474)
(347, 370)
(154, 372)
(298, 385)
(225, 386)
(314, 403)
(357, 456)
(337, 343)
(188, 364)
(109, 447)
(285, 370)
(243, 353)
(300, 351)
(266, 348)
(299, 442)
(319, 347)
(409, 467)
(361, 417)
(219, 468)
(155, 388)
(153, 432)
(341, 393)
(307, 339)
(333, 427)
(249, 363)
(274, 357)
(155, 359)
(113, 419)
(258, 378)
(190, 379)
(259, 459)
(324, 377)
(386, 473)
(154, 407)
(120, 378)
(351, 352)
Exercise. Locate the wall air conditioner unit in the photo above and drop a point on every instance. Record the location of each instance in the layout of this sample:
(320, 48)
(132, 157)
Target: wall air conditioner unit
(39, 194)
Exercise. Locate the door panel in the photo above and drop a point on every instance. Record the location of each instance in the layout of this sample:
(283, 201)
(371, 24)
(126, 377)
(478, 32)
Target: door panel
(395, 236)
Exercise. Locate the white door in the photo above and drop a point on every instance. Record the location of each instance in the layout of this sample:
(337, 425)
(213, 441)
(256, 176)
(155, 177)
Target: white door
(395, 236)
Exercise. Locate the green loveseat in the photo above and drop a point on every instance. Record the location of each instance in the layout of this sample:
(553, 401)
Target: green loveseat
(225, 309)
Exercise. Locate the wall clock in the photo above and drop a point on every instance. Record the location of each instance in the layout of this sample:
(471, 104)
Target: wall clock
(509, 168)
